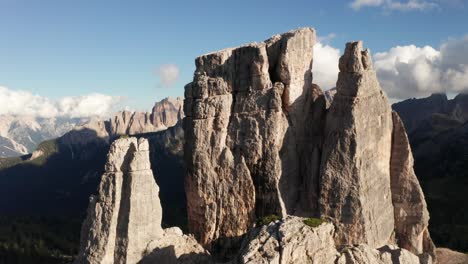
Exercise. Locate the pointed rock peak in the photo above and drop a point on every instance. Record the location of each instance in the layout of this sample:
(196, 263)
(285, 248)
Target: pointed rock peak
(357, 78)
(354, 59)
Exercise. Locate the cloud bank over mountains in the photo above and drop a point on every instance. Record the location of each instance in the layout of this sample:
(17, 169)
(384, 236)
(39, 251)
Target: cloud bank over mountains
(406, 71)
(17, 102)
(403, 71)
(410, 71)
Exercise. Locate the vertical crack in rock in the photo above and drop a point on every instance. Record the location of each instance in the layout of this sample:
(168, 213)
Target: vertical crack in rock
(248, 110)
(260, 141)
(355, 171)
(126, 214)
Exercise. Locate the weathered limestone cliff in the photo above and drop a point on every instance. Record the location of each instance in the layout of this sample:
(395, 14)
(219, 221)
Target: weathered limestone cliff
(246, 112)
(260, 141)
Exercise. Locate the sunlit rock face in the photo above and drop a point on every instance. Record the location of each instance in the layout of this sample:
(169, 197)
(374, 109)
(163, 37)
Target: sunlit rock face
(126, 214)
(355, 171)
(248, 113)
(165, 113)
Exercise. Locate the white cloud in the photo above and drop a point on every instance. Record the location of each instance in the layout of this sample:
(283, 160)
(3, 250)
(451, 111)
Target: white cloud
(418, 5)
(16, 102)
(168, 74)
(326, 39)
(357, 4)
(410, 71)
(325, 65)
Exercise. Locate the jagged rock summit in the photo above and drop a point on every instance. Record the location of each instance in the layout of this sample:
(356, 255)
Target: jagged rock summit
(261, 141)
(165, 113)
(246, 112)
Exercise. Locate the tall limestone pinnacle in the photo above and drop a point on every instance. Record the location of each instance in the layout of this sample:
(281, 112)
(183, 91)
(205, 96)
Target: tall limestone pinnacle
(355, 170)
(126, 215)
(124, 220)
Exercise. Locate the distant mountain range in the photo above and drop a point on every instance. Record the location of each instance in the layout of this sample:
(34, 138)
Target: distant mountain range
(438, 132)
(20, 135)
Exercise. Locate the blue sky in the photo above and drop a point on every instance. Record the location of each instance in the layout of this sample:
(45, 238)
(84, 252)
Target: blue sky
(59, 48)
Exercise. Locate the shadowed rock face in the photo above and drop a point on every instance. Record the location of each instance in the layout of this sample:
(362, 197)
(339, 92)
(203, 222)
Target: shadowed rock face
(355, 171)
(411, 215)
(247, 111)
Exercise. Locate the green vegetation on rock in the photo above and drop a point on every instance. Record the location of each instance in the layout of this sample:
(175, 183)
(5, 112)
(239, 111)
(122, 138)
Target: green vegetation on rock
(267, 219)
(313, 222)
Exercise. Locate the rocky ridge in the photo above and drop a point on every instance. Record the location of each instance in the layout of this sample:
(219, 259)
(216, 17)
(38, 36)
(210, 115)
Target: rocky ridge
(260, 141)
(165, 113)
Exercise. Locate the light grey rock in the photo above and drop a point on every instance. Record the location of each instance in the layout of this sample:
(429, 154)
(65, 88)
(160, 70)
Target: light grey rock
(173, 247)
(289, 241)
(165, 113)
(355, 171)
(124, 220)
(126, 214)
(363, 254)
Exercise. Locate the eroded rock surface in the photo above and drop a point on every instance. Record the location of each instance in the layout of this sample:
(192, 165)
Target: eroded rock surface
(126, 214)
(247, 110)
(289, 241)
(173, 247)
(292, 241)
(259, 141)
(355, 172)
